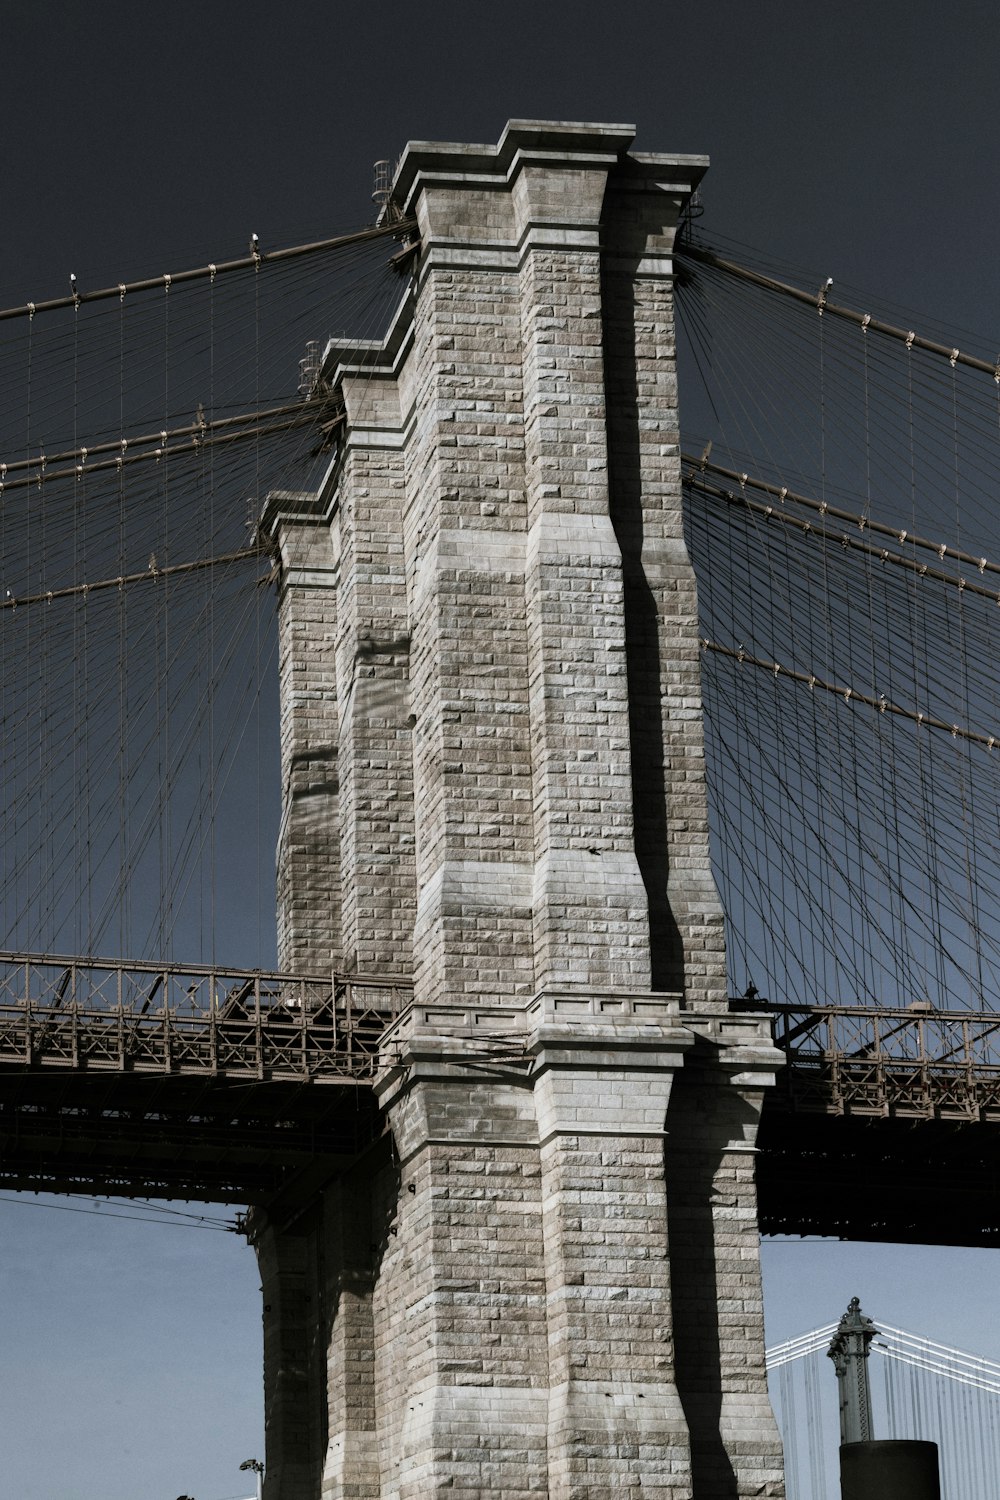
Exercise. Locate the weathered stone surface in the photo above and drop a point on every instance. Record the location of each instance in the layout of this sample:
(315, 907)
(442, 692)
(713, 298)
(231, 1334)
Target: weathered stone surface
(544, 1281)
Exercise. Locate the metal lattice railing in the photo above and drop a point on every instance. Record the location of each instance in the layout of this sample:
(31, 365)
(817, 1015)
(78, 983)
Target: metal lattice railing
(871, 1060)
(111, 1016)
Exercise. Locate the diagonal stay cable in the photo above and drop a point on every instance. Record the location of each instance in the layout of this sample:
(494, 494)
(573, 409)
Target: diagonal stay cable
(212, 270)
(853, 695)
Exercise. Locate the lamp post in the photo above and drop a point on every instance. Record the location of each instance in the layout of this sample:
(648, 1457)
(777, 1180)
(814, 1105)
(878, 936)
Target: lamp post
(258, 1468)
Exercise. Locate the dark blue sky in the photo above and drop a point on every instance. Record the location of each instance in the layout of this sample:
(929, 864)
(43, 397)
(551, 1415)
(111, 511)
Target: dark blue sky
(858, 140)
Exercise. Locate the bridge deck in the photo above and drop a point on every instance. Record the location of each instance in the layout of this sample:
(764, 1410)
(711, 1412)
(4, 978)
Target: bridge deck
(185, 1081)
(243, 1086)
(885, 1125)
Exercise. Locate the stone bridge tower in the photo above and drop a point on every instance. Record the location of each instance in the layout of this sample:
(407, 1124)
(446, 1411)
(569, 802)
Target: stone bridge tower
(543, 1279)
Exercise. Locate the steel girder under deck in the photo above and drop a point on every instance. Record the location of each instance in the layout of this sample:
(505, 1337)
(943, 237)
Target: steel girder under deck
(184, 1081)
(885, 1125)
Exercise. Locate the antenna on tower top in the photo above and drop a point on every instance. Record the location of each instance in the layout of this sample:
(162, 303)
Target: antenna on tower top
(383, 183)
(385, 171)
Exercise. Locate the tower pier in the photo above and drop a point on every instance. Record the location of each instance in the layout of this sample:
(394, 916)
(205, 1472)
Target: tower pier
(544, 1278)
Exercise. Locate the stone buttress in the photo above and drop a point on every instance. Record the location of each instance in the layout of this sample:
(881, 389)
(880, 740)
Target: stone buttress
(544, 1280)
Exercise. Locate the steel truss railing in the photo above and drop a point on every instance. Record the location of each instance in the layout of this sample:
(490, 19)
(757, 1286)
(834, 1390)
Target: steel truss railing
(111, 1016)
(106, 1015)
(869, 1060)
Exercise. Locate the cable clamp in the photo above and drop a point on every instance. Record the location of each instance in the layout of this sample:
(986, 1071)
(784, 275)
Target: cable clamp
(741, 654)
(812, 683)
(847, 694)
(121, 291)
(920, 717)
(882, 704)
(955, 731)
(3, 471)
(991, 742)
(862, 522)
(982, 564)
(124, 443)
(942, 551)
(211, 270)
(823, 508)
(821, 295)
(865, 321)
(31, 311)
(884, 554)
(902, 537)
(782, 493)
(166, 283)
(921, 570)
(909, 340)
(768, 511)
(83, 455)
(953, 358)
(743, 481)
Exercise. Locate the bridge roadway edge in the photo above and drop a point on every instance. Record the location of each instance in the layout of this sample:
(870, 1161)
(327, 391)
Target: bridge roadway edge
(493, 586)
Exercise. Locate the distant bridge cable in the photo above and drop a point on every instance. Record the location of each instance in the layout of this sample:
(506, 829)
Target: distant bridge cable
(855, 853)
(139, 439)
(853, 695)
(211, 271)
(199, 434)
(824, 306)
(697, 467)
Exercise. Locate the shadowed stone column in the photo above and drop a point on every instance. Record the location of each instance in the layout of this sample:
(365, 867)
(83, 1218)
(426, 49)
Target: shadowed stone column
(308, 856)
(470, 1358)
(661, 605)
(603, 1070)
(717, 1300)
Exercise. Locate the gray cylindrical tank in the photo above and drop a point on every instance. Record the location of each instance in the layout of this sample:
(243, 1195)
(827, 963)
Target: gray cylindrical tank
(899, 1469)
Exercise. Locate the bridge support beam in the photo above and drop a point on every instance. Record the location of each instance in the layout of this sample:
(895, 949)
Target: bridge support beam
(560, 1291)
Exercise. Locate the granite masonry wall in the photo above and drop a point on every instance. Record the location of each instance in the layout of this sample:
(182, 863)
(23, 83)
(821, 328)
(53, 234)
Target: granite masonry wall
(544, 1280)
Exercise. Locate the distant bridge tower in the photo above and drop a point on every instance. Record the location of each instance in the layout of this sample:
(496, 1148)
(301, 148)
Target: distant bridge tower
(543, 1279)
